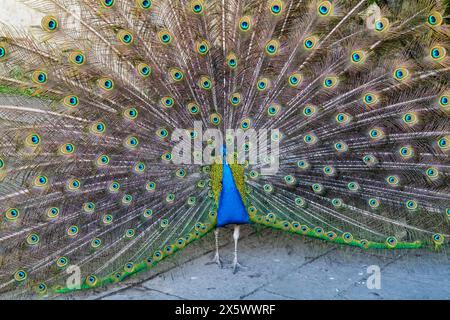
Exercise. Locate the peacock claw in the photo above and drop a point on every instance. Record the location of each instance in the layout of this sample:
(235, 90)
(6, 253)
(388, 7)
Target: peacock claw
(237, 266)
(216, 260)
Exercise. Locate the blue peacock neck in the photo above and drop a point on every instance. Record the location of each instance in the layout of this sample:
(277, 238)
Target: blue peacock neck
(231, 205)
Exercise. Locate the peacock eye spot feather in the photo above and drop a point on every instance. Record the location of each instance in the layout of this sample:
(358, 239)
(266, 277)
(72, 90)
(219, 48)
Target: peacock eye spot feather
(20, 275)
(49, 24)
(324, 8)
(310, 42)
(438, 239)
(443, 143)
(435, 19)
(358, 56)
(144, 4)
(276, 7)
(105, 84)
(443, 101)
(438, 53)
(3, 52)
(107, 3)
(39, 77)
(144, 70)
(401, 74)
(165, 37)
(330, 82)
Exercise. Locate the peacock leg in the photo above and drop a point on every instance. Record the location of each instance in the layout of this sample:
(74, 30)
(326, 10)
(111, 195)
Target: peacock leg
(236, 264)
(216, 258)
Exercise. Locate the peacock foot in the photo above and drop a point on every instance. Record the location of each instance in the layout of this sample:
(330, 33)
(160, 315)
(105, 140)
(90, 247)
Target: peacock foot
(216, 260)
(237, 266)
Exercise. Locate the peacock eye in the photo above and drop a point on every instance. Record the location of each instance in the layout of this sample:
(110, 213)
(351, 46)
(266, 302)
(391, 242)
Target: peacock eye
(330, 82)
(77, 58)
(245, 124)
(393, 180)
(107, 219)
(144, 4)
(150, 186)
(443, 143)
(71, 101)
(273, 109)
(3, 51)
(353, 186)
(41, 181)
(107, 3)
(39, 77)
(167, 102)
(89, 207)
(310, 42)
(276, 7)
(72, 231)
(438, 53)
(443, 101)
(144, 70)
(370, 98)
(205, 83)
(125, 37)
(193, 108)
(167, 156)
(310, 138)
(381, 25)
(406, 152)
(215, 119)
(245, 23)
(67, 149)
(295, 79)
(263, 84)
(376, 134)
(309, 110)
(438, 238)
(12, 214)
(176, 74)
(328, 170)
(50, 24)
(324, 8)
(432, 173)
(164, 36)
(272, 47)
(106, 84)
(197, 6)
(358, 56)
(130, 113)
(202, 47)
(33, 140)
(20, 276)
(131, 142)
(401, 74)
(374, 203)
(235, 99)
(410, 118)
(435, 19)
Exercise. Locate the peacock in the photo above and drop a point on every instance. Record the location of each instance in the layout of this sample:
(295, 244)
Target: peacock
(132, 128)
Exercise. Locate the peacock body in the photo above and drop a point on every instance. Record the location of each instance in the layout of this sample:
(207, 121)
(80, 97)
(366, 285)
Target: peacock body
(353, 97)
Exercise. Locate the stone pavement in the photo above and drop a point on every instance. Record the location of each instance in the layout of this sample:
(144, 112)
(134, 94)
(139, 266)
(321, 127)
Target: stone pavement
(284, 266)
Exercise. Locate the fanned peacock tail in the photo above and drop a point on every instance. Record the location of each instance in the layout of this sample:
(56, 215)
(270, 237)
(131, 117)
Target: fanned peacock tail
(89, 101)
